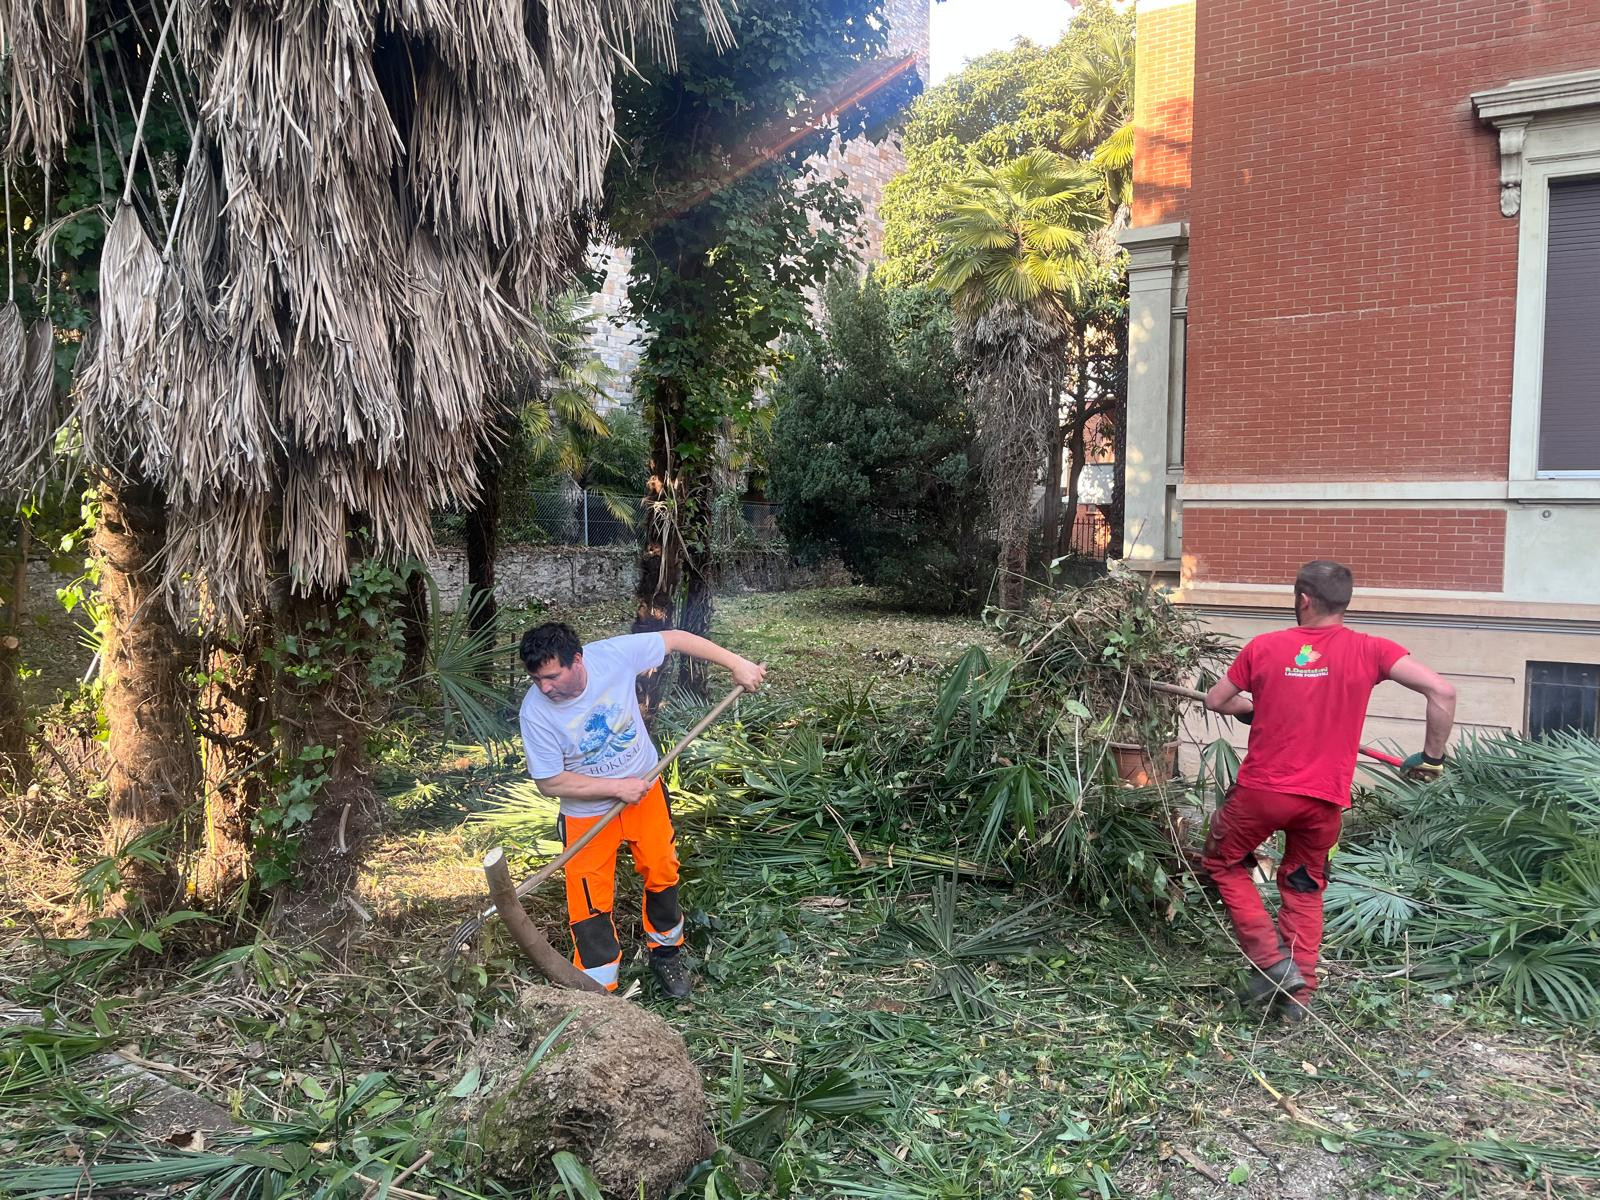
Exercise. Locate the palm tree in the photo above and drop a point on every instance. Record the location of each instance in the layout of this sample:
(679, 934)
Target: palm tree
(306, 300)
(1101, 78)
(1015, 247)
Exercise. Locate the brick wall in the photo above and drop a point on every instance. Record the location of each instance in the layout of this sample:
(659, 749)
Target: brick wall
(1163, 94)
(1453, 549)
(1352, 280)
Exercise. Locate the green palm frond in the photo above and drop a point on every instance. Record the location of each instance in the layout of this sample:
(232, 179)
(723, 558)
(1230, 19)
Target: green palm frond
(459, 662)
(1115, 153)
(1018, 234)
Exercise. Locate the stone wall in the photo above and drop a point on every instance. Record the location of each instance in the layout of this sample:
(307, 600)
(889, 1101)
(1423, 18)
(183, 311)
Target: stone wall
(576, 575)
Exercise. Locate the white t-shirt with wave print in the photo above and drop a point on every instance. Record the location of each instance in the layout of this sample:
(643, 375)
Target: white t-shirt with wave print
(600, 732)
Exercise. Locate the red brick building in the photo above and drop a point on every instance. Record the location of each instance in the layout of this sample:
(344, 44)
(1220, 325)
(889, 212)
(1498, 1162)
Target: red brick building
(1365, 280)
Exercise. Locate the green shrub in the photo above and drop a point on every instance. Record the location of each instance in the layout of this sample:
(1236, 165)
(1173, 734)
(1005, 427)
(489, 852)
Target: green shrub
(872, 450)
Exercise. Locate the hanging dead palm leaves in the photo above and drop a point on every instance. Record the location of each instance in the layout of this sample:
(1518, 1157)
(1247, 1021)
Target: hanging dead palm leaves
(44, 40)
(375, 193)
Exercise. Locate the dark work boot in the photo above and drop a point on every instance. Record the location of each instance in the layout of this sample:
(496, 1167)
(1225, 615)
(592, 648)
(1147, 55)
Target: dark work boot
(672, 973)
(1290, 1010)
(1280, 979)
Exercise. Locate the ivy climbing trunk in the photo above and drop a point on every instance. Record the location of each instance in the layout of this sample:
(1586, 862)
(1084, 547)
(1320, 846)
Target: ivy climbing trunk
(16, 765)
(237, 750)
(483, 547)
(661, 557)
(150, 738)
(327, 806)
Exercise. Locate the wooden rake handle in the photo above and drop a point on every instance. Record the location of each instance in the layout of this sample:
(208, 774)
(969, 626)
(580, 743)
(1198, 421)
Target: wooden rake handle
(1173, 689)
(527, 886)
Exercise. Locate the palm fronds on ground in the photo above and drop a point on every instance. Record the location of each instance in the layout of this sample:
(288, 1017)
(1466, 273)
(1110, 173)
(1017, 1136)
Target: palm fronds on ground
(1491, 876)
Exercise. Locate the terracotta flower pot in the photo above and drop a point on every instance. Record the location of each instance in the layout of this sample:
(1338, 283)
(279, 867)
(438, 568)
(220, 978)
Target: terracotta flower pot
(1135, 765)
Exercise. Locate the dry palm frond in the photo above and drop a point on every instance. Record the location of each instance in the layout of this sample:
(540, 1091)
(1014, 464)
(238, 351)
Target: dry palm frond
(38, 416)
(116, 397)
(374, 196)
(45, 42)
(13, 401)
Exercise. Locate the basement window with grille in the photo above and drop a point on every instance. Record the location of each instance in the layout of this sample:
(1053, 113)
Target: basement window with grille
(1563, 697)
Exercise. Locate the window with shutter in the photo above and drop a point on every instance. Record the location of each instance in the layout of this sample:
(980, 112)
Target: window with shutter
(1569, 409)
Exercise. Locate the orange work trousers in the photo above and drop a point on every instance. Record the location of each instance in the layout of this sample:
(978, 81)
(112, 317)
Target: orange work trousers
(592, 883)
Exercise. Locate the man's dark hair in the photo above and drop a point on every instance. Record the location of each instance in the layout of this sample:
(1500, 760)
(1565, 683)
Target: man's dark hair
(1328, 583)
(554, 640)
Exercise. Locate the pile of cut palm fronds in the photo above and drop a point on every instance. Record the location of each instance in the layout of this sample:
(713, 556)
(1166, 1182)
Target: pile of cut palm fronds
(1491, 876)
(1097, 645)
(848, 784)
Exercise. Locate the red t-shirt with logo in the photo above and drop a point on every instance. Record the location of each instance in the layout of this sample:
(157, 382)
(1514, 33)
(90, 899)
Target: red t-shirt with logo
(1310, 688)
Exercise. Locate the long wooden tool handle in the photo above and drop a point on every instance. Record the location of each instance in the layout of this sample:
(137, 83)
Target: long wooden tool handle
(1173, 689)
(560, 860)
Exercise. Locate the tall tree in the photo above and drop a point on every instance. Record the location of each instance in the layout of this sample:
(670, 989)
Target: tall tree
(1073, 98)
(729, 236)
(873, 456)
(1015, 248)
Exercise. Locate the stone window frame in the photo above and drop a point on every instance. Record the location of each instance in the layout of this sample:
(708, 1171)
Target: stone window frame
(1549, 129)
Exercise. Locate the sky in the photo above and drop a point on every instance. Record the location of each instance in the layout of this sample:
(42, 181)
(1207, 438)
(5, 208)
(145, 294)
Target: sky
(964, 29)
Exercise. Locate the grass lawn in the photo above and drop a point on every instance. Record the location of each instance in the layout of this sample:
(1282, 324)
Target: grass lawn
(866, 1025)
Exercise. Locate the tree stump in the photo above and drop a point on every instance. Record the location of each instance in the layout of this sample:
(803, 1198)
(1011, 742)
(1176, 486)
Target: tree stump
(616, 1089)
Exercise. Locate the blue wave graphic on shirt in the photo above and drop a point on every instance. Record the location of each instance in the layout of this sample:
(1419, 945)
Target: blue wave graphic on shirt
(603, 738)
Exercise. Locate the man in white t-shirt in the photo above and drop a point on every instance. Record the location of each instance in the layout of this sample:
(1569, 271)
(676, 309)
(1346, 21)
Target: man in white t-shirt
(587, 745)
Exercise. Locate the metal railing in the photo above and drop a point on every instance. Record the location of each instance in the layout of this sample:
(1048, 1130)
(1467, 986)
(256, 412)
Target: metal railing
(1090, 535)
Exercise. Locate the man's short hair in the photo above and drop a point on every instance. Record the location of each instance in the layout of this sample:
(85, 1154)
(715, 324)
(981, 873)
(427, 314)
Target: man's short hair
(545, 642)
(1328, 583)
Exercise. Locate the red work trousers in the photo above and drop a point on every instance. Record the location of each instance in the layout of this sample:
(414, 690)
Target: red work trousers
(592, 879)
(1248, 817)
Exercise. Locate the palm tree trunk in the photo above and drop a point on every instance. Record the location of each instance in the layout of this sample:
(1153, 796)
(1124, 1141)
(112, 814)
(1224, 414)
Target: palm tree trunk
(327, 714)
(1051, 524)
(1013, 569)
(1077, 430)
(16, 765)
(150, 738)
(418, 621)
(697, 612)
(236, 757)
(483, 547)
(661, 557)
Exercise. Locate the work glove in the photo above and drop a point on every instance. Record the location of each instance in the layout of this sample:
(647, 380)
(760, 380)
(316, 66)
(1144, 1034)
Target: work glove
(1423, 768)
(1245, 718)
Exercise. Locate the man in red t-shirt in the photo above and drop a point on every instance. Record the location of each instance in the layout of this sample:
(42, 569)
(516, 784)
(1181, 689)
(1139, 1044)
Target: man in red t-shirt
(1308, 691)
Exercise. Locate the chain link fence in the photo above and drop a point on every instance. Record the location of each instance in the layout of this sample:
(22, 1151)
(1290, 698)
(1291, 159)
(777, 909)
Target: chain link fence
(583, 517)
